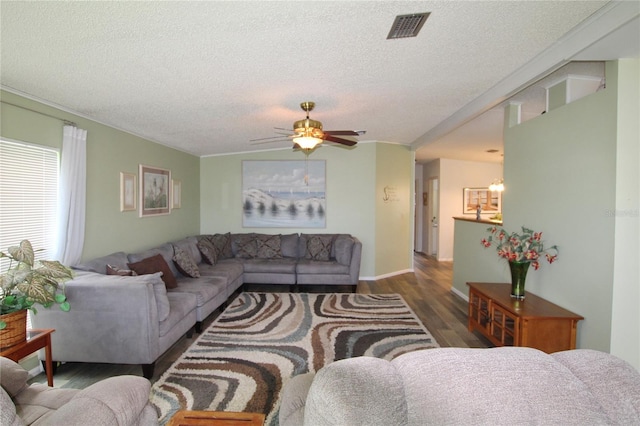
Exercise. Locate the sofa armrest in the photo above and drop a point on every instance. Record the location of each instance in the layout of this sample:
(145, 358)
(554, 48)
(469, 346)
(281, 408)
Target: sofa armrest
(294, 397)
(119, 400)
(356, 257)
(112, 319)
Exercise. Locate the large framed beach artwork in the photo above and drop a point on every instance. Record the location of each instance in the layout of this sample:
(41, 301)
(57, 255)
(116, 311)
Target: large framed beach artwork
(284, 194)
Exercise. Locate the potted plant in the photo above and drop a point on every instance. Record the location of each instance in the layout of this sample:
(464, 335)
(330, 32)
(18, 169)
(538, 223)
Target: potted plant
(521, 250)
(28, 282)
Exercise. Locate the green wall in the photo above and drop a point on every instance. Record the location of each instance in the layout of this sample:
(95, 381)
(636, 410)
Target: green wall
(109, 152)
(394, 209)
(353, 178)
(561, 178)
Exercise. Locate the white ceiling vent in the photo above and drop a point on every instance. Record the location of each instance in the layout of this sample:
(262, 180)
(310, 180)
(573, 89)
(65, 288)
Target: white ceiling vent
(407, 25)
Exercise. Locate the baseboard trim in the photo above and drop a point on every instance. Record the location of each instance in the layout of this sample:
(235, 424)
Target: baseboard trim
(460, 294)
(391, 274)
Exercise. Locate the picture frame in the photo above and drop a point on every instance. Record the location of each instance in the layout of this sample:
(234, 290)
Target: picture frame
(176, 194)
(127, 192)
(155, 191)
(284, 194)
(490, 201)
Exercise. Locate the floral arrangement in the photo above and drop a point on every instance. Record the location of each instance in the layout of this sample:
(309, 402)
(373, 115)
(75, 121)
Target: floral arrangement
(520, 247)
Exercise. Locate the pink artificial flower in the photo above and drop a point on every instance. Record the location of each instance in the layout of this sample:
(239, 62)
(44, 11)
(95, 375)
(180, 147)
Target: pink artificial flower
(485, 242)
(551, 258)
(531, 255)
(493, 230)
(537, 236)
(501, 235)
(535, 265)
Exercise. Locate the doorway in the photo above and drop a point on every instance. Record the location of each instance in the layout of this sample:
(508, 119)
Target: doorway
(432, 216)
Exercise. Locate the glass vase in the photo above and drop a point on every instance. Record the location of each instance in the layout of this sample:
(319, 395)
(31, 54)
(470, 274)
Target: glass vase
(518, 277)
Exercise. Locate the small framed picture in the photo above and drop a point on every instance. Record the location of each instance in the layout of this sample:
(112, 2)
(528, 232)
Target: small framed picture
(489, 201)
(154, 191)
(176, 194)
(127, 192)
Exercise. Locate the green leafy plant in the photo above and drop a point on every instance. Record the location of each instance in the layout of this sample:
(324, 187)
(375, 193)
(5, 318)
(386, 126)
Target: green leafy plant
(28, 282)
(526, 246)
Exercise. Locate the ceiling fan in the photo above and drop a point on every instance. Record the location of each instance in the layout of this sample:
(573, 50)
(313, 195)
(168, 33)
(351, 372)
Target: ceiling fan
(308, 134)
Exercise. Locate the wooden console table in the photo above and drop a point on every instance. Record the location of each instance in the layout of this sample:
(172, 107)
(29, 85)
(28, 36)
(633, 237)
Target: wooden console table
(533, 322)
(36, 339)
(216, 418)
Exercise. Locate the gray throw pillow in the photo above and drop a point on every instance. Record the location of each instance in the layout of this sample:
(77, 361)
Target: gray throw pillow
(208, 251)
(246, 246)
(222, 244)
(319, 247)
(185, 264)
(268, 247)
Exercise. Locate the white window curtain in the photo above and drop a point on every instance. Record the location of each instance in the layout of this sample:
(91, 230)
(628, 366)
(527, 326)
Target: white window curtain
(72, 196)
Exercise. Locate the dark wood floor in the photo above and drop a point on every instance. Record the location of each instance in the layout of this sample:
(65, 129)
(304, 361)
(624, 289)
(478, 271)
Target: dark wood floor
(427, 291)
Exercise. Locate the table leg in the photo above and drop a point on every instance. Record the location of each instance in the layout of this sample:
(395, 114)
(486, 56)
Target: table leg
(49, 361)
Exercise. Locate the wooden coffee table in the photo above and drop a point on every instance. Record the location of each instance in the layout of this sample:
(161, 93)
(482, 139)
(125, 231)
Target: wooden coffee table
(216, 418)
(36, 339)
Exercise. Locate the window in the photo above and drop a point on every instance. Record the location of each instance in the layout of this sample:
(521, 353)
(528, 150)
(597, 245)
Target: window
(28, 197)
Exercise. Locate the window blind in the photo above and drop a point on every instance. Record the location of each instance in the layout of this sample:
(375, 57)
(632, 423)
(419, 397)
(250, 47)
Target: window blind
(28, 197)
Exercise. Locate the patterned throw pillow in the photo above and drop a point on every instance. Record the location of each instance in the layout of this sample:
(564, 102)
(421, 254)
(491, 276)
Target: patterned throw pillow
(114, 270)
(246, 247)
(154, 264)
(222, 244)
(268, 247)
(319, 247)
(208, 251)
(185, 264)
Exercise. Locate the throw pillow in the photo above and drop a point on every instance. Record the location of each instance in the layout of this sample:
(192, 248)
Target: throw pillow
(114, 270)
(246, 247)
(185, 264)
(154, 264)
(319, 247)
(208, 251)
(268, 247)
(222, 243)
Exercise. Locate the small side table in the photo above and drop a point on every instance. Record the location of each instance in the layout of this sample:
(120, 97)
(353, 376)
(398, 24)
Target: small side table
(216, 418)
(36, 339)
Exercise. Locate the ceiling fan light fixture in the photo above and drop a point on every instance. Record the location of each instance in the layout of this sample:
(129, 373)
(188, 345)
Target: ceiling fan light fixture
(307, 142)
(497, 185)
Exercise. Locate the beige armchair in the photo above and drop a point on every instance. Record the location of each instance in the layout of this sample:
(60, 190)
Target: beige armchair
(121, 400)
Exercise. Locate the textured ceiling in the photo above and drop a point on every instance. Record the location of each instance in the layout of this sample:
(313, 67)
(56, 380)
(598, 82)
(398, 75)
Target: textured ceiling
(207, 77)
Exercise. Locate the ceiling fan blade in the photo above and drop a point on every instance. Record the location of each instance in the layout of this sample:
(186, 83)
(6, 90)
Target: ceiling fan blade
(345, 132)
(271, 141)
(270, 137)
(342, 141)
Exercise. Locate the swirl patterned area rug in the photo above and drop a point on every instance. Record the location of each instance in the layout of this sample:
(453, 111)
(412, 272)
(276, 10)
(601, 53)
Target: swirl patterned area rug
(242, 361)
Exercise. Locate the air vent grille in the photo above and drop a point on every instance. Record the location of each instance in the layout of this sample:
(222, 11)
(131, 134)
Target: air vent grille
(407, 25)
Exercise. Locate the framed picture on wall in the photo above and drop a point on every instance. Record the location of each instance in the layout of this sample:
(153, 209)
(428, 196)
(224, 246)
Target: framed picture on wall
(284, 194)
(155, 191)
(489, 201)
(127, 192)
(176, 194)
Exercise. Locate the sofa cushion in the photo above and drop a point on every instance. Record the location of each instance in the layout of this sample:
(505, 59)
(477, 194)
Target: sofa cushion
(222, 243)
(13, 378)
(245, 246)
(319, 247)
(185, 263)
(343, 247)
(208, 251)
(205, 288)
(268, 246)
(99, 264)
(519, 386)
(613, 382)
(8, 416)
(270, 266)
(321, 267)
(154, 264)
(230, 269)
(358, 391)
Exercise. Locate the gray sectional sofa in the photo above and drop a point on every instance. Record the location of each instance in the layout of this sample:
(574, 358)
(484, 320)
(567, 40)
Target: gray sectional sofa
(131, 308)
